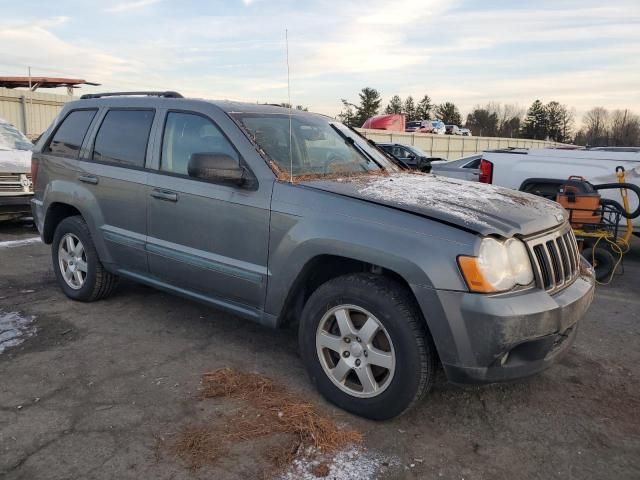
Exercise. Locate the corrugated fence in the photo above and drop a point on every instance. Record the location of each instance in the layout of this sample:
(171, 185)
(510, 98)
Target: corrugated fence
(451, 147)
(31, 112)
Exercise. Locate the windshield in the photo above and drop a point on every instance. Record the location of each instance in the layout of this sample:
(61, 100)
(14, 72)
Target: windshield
(13, 139)
(319, 146)
(414, 124)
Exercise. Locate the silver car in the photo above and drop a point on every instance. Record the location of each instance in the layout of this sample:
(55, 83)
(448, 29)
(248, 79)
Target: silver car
(465, 168)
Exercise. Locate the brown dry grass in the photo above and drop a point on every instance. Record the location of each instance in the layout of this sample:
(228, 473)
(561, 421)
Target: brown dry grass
(272, 410)
(280, 410)
(198, 445)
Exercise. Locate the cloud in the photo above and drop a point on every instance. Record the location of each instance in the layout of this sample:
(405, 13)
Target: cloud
(577, 51)
(126, 6)
(38, 46)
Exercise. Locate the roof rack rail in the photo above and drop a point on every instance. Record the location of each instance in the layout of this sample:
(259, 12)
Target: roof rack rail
(166, 94)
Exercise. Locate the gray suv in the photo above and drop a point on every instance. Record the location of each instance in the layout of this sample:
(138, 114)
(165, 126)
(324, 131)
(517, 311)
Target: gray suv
(289, 218)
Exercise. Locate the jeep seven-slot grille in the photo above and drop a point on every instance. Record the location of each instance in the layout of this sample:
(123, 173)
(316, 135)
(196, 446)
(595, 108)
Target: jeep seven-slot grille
(556, 261)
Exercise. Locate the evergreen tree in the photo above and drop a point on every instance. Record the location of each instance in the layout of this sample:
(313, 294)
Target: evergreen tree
(423, 110)
(394, 106)
(370, 101)
(347, 114)
(535, 123)
(410, 109)
(481, 122)
(554, 113)
(449, 113)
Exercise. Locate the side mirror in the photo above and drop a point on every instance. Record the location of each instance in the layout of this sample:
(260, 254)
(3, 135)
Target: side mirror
(216, 167)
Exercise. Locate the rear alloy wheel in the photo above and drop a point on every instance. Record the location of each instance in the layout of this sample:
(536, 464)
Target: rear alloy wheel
(72, 261)
(365, 345)
(78, 269)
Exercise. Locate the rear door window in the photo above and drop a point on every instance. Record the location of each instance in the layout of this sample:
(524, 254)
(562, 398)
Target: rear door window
(123, 137)
(69, 136)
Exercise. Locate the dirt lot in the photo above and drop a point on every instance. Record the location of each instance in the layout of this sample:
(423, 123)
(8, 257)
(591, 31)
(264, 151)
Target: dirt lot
(99, 386)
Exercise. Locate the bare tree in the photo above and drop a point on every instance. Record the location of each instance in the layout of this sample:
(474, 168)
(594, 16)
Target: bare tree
(624, 127)
(596, 126)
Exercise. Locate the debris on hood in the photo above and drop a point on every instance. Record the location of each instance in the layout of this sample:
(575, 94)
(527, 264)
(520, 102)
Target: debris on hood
(483, 208)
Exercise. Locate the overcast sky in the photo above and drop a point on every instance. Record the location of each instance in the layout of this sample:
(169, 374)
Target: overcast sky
(583, 53)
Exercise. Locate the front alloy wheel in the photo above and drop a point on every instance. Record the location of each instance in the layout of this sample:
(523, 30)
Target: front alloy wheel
(365, 345)
(355, 351)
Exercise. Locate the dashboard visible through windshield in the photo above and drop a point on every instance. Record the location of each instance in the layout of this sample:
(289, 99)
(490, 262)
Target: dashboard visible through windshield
(312, 145)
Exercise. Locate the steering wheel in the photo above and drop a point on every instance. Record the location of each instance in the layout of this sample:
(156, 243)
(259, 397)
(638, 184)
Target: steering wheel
(334, 160)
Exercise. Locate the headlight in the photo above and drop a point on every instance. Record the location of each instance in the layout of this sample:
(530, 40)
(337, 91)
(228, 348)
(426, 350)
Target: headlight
(499, 266)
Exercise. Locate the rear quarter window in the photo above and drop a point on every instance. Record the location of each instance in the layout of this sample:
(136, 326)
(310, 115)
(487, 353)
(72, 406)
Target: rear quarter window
(70, 134)
(123, 137)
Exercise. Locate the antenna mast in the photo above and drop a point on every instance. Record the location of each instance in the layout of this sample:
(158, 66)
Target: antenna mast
(286, 39)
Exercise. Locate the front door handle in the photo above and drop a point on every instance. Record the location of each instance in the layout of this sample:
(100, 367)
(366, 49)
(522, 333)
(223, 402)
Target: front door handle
(88, 179)
(167, 195)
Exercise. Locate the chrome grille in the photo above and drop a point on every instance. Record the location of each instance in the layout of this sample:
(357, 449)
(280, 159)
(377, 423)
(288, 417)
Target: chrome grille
(555, 258)
(15, 182)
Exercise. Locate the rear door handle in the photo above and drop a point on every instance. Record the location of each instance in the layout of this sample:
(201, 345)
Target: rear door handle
(88, 179)
(167, 195)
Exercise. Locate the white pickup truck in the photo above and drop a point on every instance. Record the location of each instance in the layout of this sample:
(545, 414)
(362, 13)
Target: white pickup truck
(542, 171)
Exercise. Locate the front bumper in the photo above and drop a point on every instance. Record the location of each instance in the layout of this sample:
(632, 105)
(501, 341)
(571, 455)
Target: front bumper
(488, 339)
(14, 206)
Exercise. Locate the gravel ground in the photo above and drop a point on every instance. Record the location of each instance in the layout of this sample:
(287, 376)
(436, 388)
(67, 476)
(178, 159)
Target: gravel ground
(99, 386)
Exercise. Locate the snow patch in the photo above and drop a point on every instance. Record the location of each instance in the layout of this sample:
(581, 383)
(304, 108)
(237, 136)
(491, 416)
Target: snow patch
(19, 243)
(15, 329)
(354, 463)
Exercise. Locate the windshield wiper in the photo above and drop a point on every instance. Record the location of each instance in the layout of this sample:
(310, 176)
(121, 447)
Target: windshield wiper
(390, 156)
(350, 141)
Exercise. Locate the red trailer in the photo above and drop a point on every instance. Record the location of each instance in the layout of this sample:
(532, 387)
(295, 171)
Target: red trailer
(393, 122)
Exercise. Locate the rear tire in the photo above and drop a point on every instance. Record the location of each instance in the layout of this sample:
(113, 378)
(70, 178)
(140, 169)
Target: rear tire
(77, 267)
(602, 261)
(388, 371)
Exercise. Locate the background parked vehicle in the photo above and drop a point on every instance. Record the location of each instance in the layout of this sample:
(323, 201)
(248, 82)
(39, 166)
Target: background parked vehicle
(438, 127)
(542, 171)
(395, 123)
(15, 172)
(413, 126)
(419, 126)
(465, 132)
(452, 130)
(409, 155)
(466, 168)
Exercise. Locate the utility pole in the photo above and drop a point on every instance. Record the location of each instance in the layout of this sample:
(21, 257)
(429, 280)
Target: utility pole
(30, 109)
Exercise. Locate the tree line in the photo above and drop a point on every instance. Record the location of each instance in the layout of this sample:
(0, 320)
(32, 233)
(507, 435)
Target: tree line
(551, 121)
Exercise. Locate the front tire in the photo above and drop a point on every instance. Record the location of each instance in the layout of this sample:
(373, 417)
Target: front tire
(365, 346)
(76, 265)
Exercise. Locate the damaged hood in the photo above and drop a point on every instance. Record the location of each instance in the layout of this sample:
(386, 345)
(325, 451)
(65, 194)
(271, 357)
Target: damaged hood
(485, 209)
